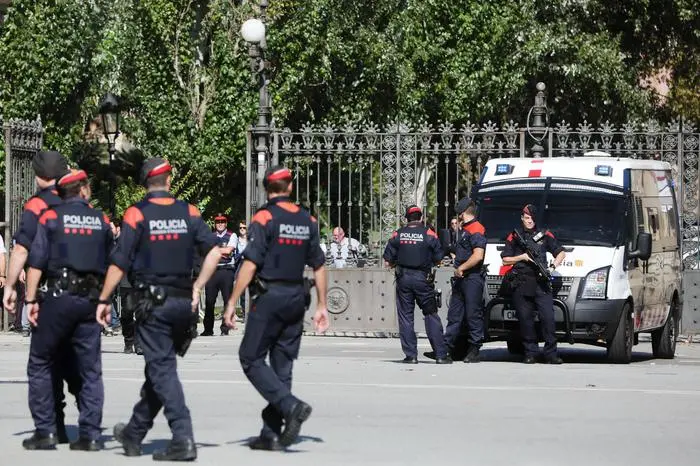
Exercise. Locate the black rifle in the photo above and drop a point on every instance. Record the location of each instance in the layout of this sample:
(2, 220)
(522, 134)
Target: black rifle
(543, 275)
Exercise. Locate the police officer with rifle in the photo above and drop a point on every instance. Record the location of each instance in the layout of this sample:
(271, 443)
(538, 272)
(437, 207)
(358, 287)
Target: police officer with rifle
(282, 239)
(413, 250)
(526, 250)
(156, 248)
(65, 312)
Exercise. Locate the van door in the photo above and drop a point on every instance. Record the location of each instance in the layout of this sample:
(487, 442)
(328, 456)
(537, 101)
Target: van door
(635, 268)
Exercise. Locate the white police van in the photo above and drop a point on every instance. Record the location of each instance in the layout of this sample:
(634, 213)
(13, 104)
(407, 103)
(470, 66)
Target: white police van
(618, 221)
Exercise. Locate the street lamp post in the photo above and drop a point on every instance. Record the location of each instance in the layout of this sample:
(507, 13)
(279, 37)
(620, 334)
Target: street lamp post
(540, 119)
(253, 32)
(109, 111)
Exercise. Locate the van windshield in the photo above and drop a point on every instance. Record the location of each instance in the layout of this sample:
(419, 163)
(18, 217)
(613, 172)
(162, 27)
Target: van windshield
(574, 217)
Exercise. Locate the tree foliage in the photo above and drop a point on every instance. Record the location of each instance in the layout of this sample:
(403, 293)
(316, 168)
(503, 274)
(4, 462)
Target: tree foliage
(182, 72)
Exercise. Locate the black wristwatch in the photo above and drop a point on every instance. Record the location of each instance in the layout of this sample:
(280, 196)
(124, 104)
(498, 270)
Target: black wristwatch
(104, 301)
(33, 301)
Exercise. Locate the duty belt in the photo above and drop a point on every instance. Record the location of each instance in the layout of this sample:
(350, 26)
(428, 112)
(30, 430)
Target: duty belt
(70, 281)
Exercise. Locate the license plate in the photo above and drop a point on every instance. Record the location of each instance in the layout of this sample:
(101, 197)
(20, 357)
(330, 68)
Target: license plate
(510, 314)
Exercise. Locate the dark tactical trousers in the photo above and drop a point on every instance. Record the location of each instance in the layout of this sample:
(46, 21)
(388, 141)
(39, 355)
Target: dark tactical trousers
(162, 388)
(221, 281)
(274, 326)
(465, 313)
(70, 320)
(526, 306)
(411, 288)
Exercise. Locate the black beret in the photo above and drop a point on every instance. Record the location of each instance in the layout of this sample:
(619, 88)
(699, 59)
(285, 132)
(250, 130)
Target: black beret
(49, 165)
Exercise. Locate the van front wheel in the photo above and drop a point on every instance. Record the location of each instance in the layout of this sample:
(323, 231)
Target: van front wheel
(663, 340)
(620, 346)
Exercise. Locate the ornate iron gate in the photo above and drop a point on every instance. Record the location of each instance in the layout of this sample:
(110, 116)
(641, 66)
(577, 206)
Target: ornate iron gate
(360, 177)
(23, 139)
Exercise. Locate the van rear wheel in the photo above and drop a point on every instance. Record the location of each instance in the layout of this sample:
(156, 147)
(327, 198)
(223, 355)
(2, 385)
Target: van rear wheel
(620, 346)
(663, 340)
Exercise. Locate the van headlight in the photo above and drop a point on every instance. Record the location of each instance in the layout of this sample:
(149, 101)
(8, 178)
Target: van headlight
(595, 285)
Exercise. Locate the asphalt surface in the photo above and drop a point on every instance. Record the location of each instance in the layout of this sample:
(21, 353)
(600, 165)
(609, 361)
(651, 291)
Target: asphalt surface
(369, 409)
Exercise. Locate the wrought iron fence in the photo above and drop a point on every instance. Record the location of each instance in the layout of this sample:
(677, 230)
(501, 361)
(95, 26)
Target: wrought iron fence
(23, 139)
(361, 177)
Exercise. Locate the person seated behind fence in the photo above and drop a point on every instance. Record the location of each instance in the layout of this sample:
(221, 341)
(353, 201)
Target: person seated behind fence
(343, 248)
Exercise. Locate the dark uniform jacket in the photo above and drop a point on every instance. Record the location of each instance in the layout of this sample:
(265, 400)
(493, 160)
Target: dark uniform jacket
(72, 235)
(414, 246)
(33, 208)
(158, 240)
(527, 274)
(472, 235)
(282, 239)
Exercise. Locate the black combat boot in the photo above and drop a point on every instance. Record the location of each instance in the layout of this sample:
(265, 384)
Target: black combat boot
(293, 421)
(40, 441)
(131, 448)
(472, 355)
(178, 450)
(128, 348)
(271, 443)
(446, 360)
(85, 444)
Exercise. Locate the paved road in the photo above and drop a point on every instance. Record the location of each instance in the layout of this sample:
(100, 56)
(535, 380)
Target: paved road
(371, 410)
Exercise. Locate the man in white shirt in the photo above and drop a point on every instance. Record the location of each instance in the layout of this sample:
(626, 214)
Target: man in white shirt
(343, 248)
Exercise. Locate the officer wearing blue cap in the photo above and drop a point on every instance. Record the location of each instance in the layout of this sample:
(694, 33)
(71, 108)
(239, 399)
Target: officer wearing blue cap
(531, 294)
(413, 250)
(465, 311)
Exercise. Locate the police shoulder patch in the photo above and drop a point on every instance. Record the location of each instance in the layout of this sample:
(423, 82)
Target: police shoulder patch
(35, 205)
(133, 216)
(262, 217)
(48, 215)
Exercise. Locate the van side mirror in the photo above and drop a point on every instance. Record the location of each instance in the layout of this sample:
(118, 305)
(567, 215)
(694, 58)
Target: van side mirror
(643, 250)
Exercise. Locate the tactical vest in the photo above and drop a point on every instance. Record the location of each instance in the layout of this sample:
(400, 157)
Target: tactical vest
(80, 240)
(167, 244)
(290, 241)
(414, 251)
(223, 241)
(537, 246)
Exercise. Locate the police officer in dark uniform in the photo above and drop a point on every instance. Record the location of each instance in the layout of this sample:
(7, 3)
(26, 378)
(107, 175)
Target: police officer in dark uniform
(156, 247)
(282, 238)
(73, 280)
(222, 281)
(465, 311)
(47, 167)
(530, 293)
(413, 250)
